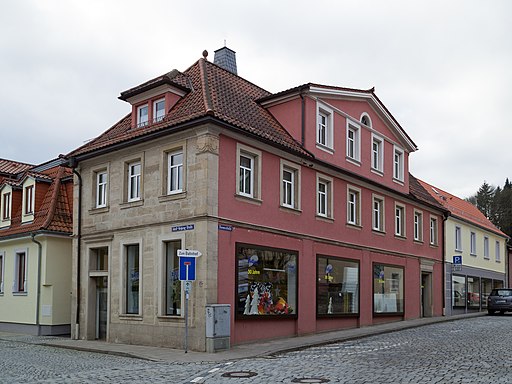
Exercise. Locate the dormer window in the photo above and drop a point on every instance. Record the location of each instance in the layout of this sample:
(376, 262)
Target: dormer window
(158, 110)
(29, 200)
(142, 115)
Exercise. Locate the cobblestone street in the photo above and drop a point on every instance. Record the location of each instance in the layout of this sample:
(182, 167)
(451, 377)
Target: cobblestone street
(475, 350)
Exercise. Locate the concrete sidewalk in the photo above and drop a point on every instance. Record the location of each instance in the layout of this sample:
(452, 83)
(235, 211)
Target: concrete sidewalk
(265, 348)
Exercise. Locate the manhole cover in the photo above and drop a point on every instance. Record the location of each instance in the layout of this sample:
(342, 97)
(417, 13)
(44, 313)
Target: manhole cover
(239, 374)
(310, 380)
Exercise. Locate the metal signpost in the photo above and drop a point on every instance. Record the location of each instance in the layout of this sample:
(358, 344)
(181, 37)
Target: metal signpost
(187, 274)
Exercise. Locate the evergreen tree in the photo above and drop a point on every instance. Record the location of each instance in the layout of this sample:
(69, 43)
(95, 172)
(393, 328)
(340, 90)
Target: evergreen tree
(484, 198)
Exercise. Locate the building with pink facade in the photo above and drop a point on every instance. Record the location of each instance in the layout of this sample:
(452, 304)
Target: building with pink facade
(300, 202)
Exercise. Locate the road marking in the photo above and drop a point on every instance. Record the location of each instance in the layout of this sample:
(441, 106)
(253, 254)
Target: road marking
(197, 380)
(214, 370)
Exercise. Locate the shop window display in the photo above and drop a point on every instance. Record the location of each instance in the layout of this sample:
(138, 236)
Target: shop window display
(267, 281)
(486, 291)
(337, 286)
(388, 289)
(473, 292)
(458, 291)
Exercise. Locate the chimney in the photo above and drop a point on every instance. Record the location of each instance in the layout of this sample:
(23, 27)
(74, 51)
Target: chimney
(225, 58)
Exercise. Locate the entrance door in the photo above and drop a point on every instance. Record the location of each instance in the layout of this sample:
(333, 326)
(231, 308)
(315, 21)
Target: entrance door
(426, 294)
(101, 307)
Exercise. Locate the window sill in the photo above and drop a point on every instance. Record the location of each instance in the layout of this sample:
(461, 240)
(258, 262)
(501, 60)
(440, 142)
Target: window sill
(377, 172)
(327, 219)
(458, 250)
(20, 293)
(378, 232)
(398, 181)
(126, 316)
(354, 226)
(172, 196)
(247, 199)
(473, 254)
(325, 148)
(295, 211)
(169, 318)
(434, 245)
(400, 237)
(94, 211)
(131, 204)
(418, 241)
(351, 160)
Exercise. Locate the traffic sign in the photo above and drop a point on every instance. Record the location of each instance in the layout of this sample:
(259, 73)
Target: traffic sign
(187, 268)
(457, 260)
(188, 253)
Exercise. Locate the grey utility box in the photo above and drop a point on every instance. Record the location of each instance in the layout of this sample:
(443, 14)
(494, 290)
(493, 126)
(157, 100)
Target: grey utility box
(218, 331)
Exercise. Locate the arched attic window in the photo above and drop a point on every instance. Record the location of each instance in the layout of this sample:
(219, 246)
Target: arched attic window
(365, 119)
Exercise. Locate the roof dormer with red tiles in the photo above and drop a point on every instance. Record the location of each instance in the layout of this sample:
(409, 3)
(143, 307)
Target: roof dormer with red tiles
(152, 100)
(37, 199)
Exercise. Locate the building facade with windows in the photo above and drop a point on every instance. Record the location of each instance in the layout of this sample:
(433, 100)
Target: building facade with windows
(35, 248)
(300, 202)
(475, 252)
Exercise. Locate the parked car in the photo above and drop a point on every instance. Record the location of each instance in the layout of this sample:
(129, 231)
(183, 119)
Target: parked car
(499, 300)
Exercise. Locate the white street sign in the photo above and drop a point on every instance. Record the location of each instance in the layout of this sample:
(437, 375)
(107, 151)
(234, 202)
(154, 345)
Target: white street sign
(188, 253)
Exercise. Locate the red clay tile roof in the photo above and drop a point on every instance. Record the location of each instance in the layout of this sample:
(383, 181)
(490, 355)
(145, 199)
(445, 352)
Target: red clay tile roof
(13, 167)
(421, 194)
(55, 212)
(214, 93)
(461, 209)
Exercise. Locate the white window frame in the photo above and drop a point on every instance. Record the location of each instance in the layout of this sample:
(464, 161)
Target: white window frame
(497, 251)
(398, 163)
(140, 122)
(292, 185)
(28, 199)
(486, 248)
(377, 154)
(418, 225)
(6, 209)
(16, 282)
(400, 214)
(175, 171)
(458, 238)
(353, 205)
(134, 195)
(2, 269)
(367, 116)
(155, 104)
(255, 155)
(101, 189)
(433, 231)
(328, 127)
(378, 213)
(324, 197)
(353, 144)
(472, 243)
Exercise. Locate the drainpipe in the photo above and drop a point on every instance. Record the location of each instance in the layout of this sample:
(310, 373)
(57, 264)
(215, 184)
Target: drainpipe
(303, 119)
(445, 217)
(73, 164)
(38, 297)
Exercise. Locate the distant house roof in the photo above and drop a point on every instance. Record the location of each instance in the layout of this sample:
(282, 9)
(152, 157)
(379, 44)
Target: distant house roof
(212, 93)
(461, 209)
(10, 167)
(54, 214)
(417, 190)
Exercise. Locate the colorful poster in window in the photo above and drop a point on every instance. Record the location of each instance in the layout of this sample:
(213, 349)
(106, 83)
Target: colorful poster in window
(267, 281)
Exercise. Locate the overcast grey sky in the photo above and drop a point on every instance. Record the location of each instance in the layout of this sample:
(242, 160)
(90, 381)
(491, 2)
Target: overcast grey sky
(443, 68)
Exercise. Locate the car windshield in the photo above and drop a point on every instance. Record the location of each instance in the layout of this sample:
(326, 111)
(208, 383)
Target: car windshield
(502, 292)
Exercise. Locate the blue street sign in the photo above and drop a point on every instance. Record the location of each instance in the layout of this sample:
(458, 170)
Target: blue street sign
(187, 268)
(457, 260)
